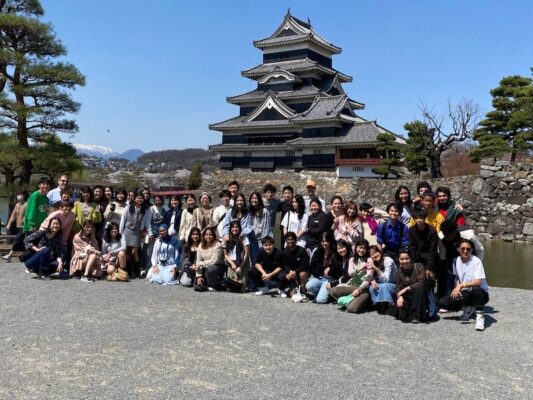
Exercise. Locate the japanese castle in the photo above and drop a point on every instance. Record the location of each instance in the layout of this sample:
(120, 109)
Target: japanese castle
(299, 117)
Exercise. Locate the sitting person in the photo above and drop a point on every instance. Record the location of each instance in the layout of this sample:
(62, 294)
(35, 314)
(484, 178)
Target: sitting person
(209, 265)
(86, 259)
(165, 257)
(326, 266)
(392, 233)
(383, 286)
(267, 265)
(46, 250)
(114, 253)
(471, 290)
(355, 280)
(295, 270)
(413, 286)
(188, 257)
(237, 256)
(423, 241)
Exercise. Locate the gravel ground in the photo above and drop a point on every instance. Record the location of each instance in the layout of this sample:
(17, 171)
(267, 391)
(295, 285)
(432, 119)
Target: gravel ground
(74, 340)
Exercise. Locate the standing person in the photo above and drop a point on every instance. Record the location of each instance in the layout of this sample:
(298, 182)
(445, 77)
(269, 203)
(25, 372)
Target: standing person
(295, 272)
(392, 234)
(267, 267)
(108, 195)
(219, 213)
(369, 223)
(448, 208)
(449, 236)
(325, 266)
(115, 208)
(271, 204)
(165, 258)
(47, 250)
(15, 225)
(114, 253)
(54, 195)
(239, 212)
(316, 225)
(383, 286)
(310, 187)
(423, 241)
(203, 215)
(233, 189)
(209, 265)
(284, 207)
(147, 195)
(86, 259)
(354, 281)
(157, 214)
(134, 225)
(332, 217)
(295, 221)
(422, 188)
(86, 209)
(237, 256)
(402, 197)
(471, 289)
(187, 220)
(413, 286)
(37, 207)
(189, 257)
(433, 218)
(349, 226)
(173, 216)
(260, 220)
(100, 202)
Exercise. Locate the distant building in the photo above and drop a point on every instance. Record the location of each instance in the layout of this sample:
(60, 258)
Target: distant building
(299, 116)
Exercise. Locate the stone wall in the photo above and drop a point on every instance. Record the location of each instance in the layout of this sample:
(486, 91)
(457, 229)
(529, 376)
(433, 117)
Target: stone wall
(498, 203)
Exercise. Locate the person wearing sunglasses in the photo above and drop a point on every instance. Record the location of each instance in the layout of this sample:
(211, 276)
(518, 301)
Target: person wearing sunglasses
(471, 290)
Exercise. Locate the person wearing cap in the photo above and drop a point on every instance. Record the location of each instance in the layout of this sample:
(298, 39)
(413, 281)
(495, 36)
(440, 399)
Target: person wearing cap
(449, 236)
(310, 186)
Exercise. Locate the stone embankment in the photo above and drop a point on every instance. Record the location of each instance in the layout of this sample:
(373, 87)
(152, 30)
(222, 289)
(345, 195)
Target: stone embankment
(498, 203)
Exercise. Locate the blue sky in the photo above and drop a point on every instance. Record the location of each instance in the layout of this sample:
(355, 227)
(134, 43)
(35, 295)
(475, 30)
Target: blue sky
(158, 71)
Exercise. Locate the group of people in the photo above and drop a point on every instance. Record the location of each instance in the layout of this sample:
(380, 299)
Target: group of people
(412, 260)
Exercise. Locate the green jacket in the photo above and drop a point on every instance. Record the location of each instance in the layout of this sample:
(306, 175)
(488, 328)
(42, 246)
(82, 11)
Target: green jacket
(36, 211)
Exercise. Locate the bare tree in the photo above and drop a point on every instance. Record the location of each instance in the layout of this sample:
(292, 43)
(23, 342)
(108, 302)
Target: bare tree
(463, 119)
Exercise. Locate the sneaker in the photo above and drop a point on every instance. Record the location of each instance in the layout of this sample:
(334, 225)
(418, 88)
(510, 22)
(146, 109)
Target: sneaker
(7, 259)
(467, 313)
(31, 272)
(282, 294)
(210, 289)
(262, 291)
(86, 279)
(44, 277)
(480, 322)
(142, 274)
(443, 311)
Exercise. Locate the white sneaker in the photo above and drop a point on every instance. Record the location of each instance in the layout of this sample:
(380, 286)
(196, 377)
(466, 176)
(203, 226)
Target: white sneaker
(282, 294)
(262, 291)
(7, 259)
(480, 322)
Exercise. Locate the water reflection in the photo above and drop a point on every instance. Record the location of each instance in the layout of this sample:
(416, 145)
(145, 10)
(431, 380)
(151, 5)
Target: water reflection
(508, 264)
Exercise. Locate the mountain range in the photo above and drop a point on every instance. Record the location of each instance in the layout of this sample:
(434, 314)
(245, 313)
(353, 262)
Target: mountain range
(93, 150)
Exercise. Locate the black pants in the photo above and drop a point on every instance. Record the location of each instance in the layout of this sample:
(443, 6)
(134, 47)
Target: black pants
(442, 275)
(476, 297)
(256, 281)
(214, 274)
(415, 305)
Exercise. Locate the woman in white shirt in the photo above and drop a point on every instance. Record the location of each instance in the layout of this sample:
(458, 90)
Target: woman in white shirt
(296, 220)
(471, 289)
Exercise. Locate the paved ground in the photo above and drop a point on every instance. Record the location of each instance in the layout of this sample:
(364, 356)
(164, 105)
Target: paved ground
(73, 340)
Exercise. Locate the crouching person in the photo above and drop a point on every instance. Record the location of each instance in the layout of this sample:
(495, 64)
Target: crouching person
(471, 290)
(209, 266)
(267, 266)
(295, 273)
(114, 254)
(45, 251)
(165, 257)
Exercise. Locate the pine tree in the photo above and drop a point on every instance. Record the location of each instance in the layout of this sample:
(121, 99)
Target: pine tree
(195, 177)
(390, 152)
(509, 126)
(418, 143)
(34, 86)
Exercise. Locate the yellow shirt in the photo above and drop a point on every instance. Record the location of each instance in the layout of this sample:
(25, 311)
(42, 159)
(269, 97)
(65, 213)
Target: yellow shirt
(433, 218)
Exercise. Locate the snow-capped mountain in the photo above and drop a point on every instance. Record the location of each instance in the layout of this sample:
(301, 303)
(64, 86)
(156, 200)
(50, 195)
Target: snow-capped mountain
(93, 150)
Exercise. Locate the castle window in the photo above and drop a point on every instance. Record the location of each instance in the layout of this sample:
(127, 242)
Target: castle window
(358, 168)
(317, 151)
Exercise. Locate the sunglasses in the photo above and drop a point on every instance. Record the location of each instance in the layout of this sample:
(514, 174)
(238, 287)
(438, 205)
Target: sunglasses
(467, 249)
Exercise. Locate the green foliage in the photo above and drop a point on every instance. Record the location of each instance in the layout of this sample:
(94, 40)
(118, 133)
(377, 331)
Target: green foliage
(195, 178)
(418, 144)
(509, 126)
(35, 99)
(390, 152)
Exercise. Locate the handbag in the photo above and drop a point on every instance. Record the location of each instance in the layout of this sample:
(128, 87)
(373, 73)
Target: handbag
(119, 275)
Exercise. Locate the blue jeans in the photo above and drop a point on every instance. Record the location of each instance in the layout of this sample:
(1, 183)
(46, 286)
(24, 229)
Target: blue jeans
(165, 276)
(317, 286)
(386, 292)
(40, 262)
